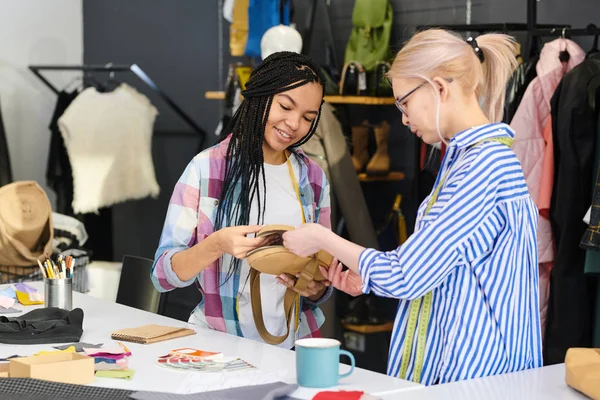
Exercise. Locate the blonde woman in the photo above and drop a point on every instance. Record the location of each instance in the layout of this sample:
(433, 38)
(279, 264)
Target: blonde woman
(467, 279)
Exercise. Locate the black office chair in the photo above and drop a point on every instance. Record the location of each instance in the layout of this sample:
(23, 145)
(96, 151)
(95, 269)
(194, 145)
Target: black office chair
(135, 286)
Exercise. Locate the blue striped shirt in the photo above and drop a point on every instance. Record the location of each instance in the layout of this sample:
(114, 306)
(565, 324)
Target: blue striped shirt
(476, 250)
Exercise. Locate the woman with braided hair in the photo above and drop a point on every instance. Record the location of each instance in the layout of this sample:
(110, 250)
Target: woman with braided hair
(256, 175)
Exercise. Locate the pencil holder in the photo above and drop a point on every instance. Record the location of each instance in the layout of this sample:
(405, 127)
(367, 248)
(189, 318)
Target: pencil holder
(58, 293)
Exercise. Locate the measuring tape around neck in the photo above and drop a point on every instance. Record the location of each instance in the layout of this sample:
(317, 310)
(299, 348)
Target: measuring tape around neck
(423, 304)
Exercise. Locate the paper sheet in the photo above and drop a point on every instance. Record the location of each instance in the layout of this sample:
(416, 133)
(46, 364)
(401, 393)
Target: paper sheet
(6, 302)
(9, 292)
(23, 287)
(70, 349)
(9, 311)
(36, 297)
(588, 216)
(79, 346)
(208, 381)
(120, 374)
(109, 349)
(24, 299)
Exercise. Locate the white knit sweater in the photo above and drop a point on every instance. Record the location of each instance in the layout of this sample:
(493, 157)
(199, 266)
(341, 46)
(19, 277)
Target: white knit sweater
(108, 137)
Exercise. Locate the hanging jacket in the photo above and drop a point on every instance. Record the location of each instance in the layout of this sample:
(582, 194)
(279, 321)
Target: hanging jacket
(574, 125)
(238, 30)
(518, 83)
(328, 148)
(262, 15)
(592, 255)
(5, 169)
(530, 122)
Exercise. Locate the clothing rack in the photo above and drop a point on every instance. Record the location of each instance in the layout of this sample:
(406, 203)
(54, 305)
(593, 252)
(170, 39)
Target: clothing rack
(497, 27)
(532, 28)
(591, 30)
(36, 69)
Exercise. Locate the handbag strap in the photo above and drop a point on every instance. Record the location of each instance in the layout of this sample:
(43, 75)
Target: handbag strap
(290, 300)
(296, 187)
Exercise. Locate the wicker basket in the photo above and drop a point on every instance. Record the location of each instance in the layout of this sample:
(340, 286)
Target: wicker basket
(81, 259)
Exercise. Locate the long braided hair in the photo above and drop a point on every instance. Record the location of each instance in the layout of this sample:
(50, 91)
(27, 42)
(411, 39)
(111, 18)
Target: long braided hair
(280, 72)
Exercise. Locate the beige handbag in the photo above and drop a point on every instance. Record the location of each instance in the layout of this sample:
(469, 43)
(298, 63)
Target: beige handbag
(583, 371)
(25, 224)
(275, 259)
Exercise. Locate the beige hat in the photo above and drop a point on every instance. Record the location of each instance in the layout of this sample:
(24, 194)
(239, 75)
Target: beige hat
(25, 224)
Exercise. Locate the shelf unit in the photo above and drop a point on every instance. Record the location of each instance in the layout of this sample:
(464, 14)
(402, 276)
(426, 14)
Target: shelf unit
(362, 100)
(393, 176)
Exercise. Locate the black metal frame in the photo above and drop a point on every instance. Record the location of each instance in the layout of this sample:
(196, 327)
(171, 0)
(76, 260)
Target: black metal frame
(36, 69)
(498, 27)
(591, 30)
(532, 29)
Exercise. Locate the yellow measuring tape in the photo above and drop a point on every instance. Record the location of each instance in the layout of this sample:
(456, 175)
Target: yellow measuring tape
(297, 189)
(426, 300)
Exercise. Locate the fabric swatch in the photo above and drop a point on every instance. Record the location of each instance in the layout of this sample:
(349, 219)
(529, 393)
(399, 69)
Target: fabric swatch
(9, 292)
(9, 311)
(70, 349)
(24, 299)
(120, 374)
(36, 297)
(23, 287)
(79, 346)
(6, 302)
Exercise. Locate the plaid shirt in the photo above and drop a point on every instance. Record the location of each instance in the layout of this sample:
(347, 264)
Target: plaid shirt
(190, 219)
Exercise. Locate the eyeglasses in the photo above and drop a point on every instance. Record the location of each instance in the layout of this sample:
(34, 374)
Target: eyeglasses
(403, 98)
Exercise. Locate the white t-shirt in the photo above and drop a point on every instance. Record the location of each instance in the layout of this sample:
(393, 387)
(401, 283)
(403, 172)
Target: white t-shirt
(282, 207)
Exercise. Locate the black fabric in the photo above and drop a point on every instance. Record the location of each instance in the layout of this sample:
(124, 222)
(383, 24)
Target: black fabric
(572, 294)
(5, 168)
(36, 389)
(517, 85)
(59, 177)
(100, 231)
(43, 325)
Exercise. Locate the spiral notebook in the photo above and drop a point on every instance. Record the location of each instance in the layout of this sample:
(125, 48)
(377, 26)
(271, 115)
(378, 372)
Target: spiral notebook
(151, 334)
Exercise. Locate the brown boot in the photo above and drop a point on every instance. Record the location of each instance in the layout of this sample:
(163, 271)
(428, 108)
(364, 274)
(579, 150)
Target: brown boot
(360, 146)
(380, 163)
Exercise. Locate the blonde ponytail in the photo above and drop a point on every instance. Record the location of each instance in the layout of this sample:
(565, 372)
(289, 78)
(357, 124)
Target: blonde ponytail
(500, 62)
(439, 52)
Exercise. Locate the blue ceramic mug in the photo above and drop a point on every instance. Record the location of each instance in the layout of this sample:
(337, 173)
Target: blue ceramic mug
(318, 362)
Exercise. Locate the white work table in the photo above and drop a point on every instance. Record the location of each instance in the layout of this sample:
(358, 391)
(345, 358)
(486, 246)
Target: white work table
(102, 317)
(534, 384)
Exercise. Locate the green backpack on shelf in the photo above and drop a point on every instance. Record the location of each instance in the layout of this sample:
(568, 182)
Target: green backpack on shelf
(370, 38)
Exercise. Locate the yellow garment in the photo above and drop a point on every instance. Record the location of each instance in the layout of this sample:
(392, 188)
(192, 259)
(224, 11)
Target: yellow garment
(518, 54)
(238, 30)
(70, 349)
(24, 299)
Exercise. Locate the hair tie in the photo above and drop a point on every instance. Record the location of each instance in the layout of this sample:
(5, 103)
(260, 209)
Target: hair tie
(478, 52)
